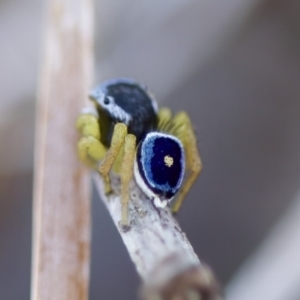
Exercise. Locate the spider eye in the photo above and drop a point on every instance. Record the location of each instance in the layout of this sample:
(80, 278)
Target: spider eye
(160, 165)
(106, 100)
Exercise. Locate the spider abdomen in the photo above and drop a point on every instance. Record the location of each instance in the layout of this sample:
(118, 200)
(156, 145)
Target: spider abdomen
(160, 166)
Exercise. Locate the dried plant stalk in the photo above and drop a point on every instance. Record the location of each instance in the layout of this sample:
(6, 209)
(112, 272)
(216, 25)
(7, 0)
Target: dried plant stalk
(61, 227)
(160, 250)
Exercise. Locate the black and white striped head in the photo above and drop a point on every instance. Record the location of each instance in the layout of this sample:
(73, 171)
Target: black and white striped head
(119, 98)
(124, 101)
(159, 167)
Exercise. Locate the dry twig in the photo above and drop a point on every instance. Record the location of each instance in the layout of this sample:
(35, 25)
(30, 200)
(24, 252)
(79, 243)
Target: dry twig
(61, 228)
(162, 254)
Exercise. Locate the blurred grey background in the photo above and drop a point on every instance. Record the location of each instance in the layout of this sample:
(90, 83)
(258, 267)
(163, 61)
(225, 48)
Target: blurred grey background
(234, 66)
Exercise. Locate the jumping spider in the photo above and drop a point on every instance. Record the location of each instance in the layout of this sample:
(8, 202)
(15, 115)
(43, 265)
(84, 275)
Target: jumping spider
(127, 132)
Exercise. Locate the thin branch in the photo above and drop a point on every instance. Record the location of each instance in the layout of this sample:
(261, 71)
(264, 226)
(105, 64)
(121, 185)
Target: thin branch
(160, 250)
(61, 227)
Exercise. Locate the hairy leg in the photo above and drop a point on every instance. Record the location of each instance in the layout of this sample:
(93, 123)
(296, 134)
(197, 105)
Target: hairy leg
(164, 118)
(90, 149)
(126, 175)
(182, 128)
(120, 131)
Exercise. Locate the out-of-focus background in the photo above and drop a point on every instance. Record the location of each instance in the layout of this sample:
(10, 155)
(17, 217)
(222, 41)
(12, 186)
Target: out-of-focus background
(234, 66)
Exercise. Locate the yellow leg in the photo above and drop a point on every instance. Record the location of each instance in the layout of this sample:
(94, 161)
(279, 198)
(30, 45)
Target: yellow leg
(126, 175)
(88, 125)
(164, 117)
(184, 131)
(120, 131)
(90, 151)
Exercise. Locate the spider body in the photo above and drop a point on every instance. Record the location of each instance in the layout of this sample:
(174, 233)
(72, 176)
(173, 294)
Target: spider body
(124, 101)
(128, 133)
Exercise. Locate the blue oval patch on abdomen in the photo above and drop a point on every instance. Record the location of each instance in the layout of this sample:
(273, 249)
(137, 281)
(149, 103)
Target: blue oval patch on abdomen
(161, 163)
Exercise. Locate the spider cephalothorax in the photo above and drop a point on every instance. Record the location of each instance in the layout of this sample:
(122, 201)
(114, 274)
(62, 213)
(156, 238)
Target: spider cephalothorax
(129, 133)
(124, 101)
